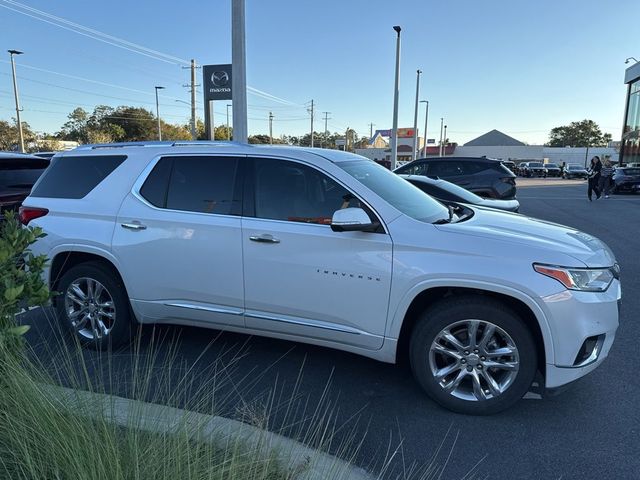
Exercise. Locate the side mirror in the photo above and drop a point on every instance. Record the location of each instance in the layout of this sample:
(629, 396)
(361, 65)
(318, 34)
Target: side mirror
(352, 220)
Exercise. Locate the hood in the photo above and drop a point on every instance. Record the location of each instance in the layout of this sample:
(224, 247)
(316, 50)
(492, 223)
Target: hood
(539, 234)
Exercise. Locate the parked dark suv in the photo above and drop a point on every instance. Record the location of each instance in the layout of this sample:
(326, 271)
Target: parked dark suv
(18, 173)
(483, 176)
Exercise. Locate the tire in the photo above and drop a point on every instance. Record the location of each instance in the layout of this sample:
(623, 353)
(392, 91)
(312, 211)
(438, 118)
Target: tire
(458, 314)
(102, 321)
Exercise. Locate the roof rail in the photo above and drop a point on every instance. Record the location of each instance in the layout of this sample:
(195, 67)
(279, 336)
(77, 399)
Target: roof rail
(178, 143)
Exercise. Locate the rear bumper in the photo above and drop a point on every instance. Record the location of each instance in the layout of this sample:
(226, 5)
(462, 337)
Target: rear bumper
(583, 327)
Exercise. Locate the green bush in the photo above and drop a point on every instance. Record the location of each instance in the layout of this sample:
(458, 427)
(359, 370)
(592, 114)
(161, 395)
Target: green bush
(21, 281)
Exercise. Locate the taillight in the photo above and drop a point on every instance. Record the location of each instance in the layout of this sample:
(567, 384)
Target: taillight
(510, 180)
(26, 214)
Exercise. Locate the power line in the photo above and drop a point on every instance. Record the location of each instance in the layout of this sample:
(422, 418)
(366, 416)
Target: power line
(90, 32)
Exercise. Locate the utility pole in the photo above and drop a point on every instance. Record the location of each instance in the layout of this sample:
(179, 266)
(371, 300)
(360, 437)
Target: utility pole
(228, 132)
(194, 132)
(310, 110)
(441, 125)
(346, 140)
(158, 113)
(270, 128)
(371, 125)
(426, 119)
(239, 77)
(396, 95)
(15, 93)
(415, 118)
(326, 131)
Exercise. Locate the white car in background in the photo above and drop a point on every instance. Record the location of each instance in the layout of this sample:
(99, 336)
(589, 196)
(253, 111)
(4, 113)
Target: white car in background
(328, 248)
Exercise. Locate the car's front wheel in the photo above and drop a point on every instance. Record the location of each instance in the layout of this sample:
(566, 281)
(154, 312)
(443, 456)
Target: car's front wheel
(473, 355)
(93, 304)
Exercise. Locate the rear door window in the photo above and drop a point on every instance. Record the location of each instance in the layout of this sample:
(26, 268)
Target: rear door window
(74, 176)
(446, 168)
(202, 184)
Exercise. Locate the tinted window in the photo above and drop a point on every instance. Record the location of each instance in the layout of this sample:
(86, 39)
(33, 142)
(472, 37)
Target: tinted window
(154, 189)
(414, 168)
(20, 174)
(297, 193)
(435, 191)
(75, 177)
(445, 169)
(535, 164)
(203, 184)
(470, 168)
(551, 165)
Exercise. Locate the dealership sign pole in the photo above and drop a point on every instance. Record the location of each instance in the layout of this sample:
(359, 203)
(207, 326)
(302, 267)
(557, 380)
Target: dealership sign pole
(239, 84)
(396, 94)
(216, 80)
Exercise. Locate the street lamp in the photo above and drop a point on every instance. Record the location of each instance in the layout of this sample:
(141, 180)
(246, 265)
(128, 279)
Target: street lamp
(228, 133)
(15, 93)
(396, 95)
(158, 113)
(415, 118)
(444, 149)
(426, 118)
(630, 58)
(441, 125)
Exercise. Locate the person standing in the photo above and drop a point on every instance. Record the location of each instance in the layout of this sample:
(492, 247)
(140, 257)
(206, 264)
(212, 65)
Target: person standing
(594, 177)
(606, 174)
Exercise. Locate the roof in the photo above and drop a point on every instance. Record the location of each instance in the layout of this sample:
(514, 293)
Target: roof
(494, 138)
(207, 146)
(17, 155)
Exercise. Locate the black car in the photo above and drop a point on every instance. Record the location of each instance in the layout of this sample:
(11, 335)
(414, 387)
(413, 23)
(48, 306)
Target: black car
(626, 179)
(534, 169)
(483, 176)
(18, 173)
(575, 170)
(553, 170)
(450, 192)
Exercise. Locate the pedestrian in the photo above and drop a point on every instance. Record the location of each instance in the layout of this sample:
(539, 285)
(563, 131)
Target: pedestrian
(562, 167)
(606, 175)
(594, 177)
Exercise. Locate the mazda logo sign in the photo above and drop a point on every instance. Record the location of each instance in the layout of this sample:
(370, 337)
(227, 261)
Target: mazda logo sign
(219, 79)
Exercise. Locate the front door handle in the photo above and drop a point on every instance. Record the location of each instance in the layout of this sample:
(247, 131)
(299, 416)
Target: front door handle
(264, 238)
(133, 226)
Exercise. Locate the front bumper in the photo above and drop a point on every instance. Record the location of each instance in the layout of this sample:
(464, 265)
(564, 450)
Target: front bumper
(576, 317)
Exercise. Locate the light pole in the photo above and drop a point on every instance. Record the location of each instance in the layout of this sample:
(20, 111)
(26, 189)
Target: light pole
(444, 150)
(396, 95)
(415, 118)
(15, 93)
(426, 119)
(441, 125)
(228, 133)
(158, 113)
(239, 77)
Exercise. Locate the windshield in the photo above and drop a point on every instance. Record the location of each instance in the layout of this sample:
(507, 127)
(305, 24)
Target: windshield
(535, 164)
(631, 171)
(551, 165)
(463, 193)
(396, 191)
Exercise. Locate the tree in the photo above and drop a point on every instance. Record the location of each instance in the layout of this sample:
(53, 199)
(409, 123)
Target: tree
(10, 137)
(585, 133)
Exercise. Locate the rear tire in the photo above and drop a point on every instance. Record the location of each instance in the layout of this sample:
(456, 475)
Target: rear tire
(93, 304)
(493, 370)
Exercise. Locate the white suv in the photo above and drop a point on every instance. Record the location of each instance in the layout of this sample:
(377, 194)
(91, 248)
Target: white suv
(328, 248)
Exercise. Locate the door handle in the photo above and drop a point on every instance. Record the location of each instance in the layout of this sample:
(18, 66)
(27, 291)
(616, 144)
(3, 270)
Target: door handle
(264, 238)
(133, 226)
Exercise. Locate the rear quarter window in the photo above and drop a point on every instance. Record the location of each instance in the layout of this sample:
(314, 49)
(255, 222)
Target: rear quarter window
(75, 176)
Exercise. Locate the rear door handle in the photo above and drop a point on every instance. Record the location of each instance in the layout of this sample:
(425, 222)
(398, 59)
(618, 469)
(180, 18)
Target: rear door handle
(264, 238)
(133, 226)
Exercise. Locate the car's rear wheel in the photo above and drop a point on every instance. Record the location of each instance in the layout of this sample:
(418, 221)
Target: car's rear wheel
(93, 304)
(473, 355)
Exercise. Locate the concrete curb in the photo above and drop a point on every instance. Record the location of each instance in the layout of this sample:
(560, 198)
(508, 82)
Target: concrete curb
(304, 463)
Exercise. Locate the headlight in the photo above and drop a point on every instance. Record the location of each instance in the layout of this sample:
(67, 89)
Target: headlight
(584, 279)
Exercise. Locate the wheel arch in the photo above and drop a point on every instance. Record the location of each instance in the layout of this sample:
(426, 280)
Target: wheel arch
(521, 303)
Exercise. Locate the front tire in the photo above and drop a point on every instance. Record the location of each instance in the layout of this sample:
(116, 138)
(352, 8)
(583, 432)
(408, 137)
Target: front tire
(473, 355)
(93, 304)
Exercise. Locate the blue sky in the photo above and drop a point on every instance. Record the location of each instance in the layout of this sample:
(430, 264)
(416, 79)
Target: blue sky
(520, 67)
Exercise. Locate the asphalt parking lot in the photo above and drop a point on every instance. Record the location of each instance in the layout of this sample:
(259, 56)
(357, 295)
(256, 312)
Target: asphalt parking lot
(590, 431)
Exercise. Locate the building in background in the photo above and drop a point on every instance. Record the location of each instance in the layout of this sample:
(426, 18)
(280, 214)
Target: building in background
(630, 143)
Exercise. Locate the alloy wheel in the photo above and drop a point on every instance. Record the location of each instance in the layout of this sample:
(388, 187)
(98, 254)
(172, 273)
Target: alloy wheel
(474, 360)
(90, 308)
